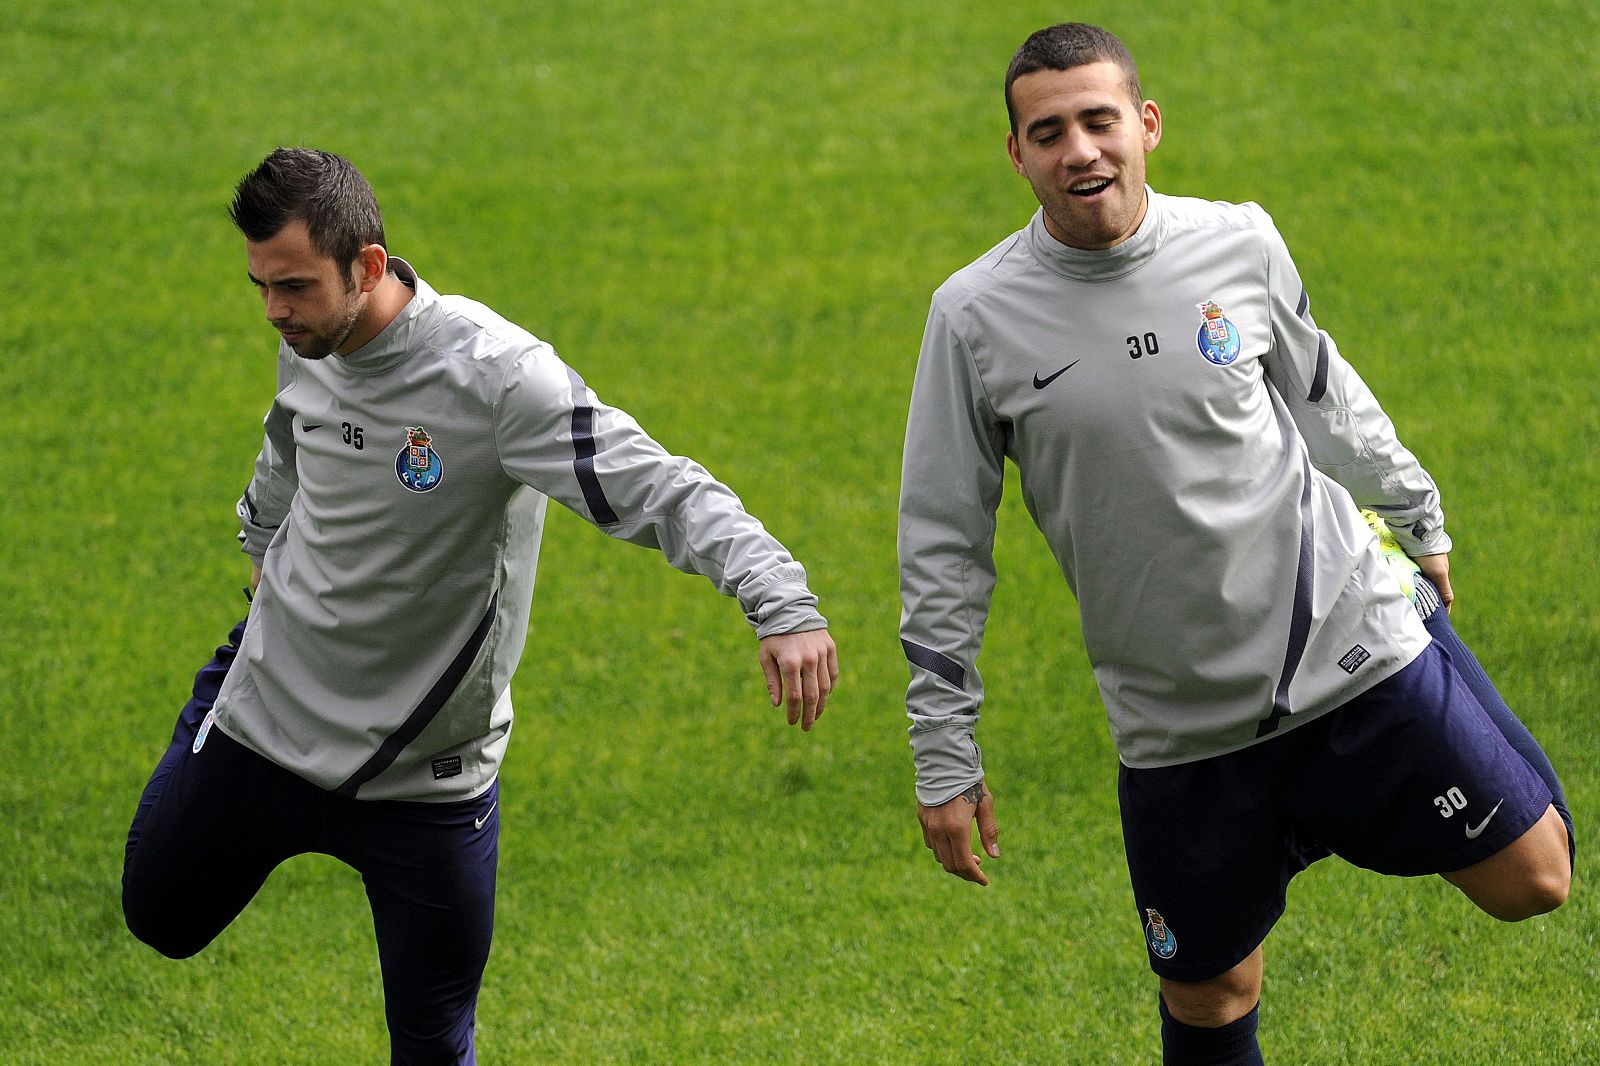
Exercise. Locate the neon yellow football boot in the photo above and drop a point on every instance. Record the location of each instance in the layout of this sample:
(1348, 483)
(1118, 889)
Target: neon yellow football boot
(1401, 565)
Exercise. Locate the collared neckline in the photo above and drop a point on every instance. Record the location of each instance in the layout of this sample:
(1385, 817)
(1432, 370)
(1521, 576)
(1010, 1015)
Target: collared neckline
(1103, 264)
(393, 345)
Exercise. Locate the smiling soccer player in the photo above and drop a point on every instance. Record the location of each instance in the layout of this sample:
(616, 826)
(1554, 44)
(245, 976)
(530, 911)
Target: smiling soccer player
(1194, 448)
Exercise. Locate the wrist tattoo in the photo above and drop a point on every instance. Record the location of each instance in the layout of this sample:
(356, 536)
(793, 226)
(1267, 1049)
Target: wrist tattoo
(973, 795)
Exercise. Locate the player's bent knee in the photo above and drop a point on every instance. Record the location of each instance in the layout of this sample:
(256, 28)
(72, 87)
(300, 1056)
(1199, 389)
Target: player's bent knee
(1211, 1004)
(158, 927)
(1529, 877)
(1206, 1008)
(1550, 893)
(173, 944)
(1540, 894)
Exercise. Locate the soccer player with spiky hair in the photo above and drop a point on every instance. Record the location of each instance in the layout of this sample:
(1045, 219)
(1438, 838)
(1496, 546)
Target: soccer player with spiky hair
(1194, 449)
(363, 708)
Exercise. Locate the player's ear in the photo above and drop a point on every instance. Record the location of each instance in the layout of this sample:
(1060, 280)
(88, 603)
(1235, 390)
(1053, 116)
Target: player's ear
(372, 263)
(1014, 151)
(1150, 116)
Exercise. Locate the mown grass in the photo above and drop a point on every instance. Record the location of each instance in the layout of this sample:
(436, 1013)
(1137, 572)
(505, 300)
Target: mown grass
(729, 217)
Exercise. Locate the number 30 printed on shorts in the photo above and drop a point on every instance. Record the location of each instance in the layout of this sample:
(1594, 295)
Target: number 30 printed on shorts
(1452, 801)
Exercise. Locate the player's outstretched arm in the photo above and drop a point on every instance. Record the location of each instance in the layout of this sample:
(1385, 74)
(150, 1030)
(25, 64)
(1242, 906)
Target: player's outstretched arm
(802, 668)
(947, 831)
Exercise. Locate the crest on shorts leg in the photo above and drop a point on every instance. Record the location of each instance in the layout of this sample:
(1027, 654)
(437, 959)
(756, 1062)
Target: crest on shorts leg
(1157, 935)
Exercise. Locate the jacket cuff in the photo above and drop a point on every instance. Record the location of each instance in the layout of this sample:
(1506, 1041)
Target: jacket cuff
(948, 759)
(786, 606)
(1426, 536)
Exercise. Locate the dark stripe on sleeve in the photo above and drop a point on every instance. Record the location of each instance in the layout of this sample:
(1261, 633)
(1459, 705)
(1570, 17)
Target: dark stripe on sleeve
(583, 457)
(418, 719)
(1319, 384)
(1305, 302)
(935, 662)
(1300, 618)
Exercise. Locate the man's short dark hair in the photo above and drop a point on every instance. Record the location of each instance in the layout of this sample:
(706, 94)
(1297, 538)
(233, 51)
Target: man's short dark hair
(1069, 45)
(323, 190)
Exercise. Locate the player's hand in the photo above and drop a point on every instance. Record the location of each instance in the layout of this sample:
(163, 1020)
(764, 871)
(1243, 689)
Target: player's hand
(947, 831)
(1436, 568)
(802, 667)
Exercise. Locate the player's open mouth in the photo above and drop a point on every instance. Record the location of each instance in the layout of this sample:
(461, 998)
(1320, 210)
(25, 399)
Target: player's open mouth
(1083, 190)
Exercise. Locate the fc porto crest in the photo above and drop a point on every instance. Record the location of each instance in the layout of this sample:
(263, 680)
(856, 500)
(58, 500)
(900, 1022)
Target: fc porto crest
(418, 466)
(1218, 338)
(1158, 936)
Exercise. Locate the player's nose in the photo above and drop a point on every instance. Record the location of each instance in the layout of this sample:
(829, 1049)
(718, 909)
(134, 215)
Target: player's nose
(1080, 150)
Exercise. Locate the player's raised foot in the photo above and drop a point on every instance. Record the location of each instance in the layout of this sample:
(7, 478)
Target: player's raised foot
(1402, 566)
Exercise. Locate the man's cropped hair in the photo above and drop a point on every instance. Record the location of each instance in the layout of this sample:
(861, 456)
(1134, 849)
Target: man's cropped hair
(1069, 45)
(323, 190)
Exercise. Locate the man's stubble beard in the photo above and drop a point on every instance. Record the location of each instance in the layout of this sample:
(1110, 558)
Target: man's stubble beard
(322, 345)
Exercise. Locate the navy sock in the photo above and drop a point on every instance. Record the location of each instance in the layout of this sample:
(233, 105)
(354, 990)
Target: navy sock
(1233, 1044)
(1510, 726)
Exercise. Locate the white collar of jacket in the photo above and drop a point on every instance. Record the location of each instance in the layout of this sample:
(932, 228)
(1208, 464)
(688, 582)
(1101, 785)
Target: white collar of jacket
(1081, 264)
(391, 347)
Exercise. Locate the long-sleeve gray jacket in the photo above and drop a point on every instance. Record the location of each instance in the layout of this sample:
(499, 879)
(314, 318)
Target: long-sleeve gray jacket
(396, 510)
(1189, 443)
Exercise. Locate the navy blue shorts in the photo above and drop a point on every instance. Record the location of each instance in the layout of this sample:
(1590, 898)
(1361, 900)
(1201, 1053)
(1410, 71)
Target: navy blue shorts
(1411, 777)
(216, 819)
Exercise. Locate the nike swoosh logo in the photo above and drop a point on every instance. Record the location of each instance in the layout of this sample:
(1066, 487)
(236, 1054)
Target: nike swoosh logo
(1039, 382)
(477, 823)
(309, 426)
(1474, 830)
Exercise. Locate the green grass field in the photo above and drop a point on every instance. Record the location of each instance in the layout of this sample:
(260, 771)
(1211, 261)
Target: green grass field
(730, 217)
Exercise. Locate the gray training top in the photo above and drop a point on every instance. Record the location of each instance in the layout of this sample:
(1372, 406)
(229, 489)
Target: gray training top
(1189, 443)
(396, 511)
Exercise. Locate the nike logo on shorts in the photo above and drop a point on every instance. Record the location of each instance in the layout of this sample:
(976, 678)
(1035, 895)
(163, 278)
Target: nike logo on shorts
(1473, 831)
(477, 823)
(1039, 382)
